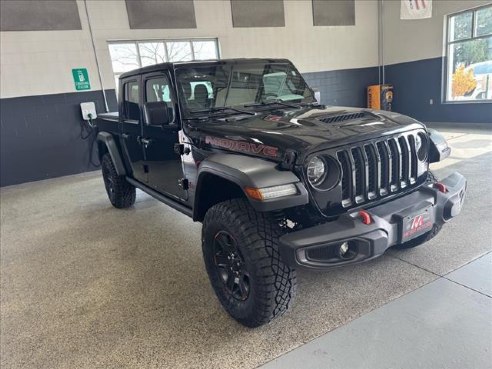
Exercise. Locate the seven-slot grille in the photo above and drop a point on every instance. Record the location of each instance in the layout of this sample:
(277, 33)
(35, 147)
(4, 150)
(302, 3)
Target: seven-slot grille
(377, 169)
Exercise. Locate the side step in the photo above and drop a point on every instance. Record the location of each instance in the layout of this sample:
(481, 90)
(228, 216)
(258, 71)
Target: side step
(165, 199)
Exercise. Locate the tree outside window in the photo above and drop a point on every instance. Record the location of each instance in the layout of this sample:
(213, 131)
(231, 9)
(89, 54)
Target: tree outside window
(129, 55)
(469, 55)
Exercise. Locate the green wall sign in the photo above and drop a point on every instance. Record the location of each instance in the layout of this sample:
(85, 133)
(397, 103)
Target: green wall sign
(81, 79)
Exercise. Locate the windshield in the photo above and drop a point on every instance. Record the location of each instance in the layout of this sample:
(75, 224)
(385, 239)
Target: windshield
(212, 88)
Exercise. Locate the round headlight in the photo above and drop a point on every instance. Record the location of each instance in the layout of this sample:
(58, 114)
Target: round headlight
(421, 145)
(316, 170)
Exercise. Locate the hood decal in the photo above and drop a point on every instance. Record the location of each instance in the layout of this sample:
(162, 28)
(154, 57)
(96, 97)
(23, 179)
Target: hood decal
(242, 146)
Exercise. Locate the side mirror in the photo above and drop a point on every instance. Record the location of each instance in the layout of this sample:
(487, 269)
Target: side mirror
(157, 113)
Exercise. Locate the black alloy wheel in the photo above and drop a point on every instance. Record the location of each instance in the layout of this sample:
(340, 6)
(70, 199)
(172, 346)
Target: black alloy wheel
(240, 251)
(108, 181)
(230, 266)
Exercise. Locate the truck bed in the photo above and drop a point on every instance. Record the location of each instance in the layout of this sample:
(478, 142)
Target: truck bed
(111, 116)
(108, 122)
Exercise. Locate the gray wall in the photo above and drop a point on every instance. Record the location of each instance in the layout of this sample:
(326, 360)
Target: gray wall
(408, 40)
(55, 53)
(343, 87)
(417, 82)
(46, 15)
(163, 14)
(334, 12)
(413, 52)
(41, 136)
(257, 13)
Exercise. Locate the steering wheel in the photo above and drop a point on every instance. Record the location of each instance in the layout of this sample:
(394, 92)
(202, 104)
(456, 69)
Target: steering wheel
(270, 95)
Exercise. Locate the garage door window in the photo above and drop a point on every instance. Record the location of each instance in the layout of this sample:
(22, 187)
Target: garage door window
(129, 55)
(469, 56)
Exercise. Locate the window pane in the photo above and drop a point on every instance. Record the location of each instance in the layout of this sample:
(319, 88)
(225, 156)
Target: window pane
(179, 51)
(203, 87)
(132, 108)
(460, 26)
(124, 57)
(470, 52)
(132, 92)
(470, 70)
(157, 89)
(158, 100)
(205, 50)
(484, 21)
(152, 53)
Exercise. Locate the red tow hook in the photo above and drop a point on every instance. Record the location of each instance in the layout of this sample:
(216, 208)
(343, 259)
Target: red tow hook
(441, 187)
(365, 216)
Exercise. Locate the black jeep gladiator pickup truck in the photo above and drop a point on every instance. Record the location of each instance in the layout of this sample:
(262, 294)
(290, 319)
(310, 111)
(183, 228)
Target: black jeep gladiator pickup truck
(279, 181)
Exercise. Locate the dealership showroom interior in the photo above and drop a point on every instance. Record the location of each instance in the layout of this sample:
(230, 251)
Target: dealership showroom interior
(289, 184)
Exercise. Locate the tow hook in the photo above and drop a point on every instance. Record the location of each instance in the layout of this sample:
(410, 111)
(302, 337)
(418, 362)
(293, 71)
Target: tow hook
(365, 217)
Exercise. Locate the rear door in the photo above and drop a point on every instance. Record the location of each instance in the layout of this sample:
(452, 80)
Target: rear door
(164, 163)
(131, 127)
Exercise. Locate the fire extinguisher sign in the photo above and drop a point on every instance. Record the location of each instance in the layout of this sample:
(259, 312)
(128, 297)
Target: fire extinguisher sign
(81, 79)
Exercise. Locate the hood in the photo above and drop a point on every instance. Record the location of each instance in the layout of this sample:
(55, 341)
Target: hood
(270, 134)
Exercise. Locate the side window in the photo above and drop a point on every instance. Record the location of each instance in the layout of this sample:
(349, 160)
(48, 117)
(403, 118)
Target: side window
(157, 89)
(158, 100)
(131, 101)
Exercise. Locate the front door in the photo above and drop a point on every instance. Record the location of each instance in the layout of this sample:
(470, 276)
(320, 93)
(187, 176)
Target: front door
(131, 128)
(165, 168)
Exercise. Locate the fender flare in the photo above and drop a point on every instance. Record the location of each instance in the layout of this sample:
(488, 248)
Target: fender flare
(108, 140)
(438, 147)
(246, 171)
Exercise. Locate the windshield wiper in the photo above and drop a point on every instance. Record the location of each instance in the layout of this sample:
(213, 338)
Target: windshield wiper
(219, 109)
(273, 102)
(313, 103)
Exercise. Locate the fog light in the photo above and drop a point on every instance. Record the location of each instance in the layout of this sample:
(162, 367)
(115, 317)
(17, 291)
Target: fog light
(344, 247)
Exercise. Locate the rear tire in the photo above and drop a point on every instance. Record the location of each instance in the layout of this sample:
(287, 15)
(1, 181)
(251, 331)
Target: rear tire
(121, 193)
(240, 249)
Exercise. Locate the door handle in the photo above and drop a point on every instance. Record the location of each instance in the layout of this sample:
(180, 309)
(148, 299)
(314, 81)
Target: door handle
(125, 135)
(145, 142)
(180, 149)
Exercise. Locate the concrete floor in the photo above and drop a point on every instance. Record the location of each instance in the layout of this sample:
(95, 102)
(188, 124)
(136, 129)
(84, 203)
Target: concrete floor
(417, 330)
(84, 285)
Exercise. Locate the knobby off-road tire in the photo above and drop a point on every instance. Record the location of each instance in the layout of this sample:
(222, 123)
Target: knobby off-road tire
(240, 249)
(121, 193)
(431, 178)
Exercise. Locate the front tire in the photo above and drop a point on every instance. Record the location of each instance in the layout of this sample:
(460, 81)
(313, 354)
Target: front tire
(240, 249)
(121, 193)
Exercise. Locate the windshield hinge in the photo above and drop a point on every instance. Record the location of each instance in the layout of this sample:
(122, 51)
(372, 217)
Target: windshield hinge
(183, 183)
(288, 160)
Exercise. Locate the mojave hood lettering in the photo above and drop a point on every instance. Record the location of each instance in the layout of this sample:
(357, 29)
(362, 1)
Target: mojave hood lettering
(302, 131)
(242, 146)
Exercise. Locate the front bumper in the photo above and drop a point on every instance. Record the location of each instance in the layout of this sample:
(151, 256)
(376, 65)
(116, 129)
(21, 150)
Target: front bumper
(317, 247)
